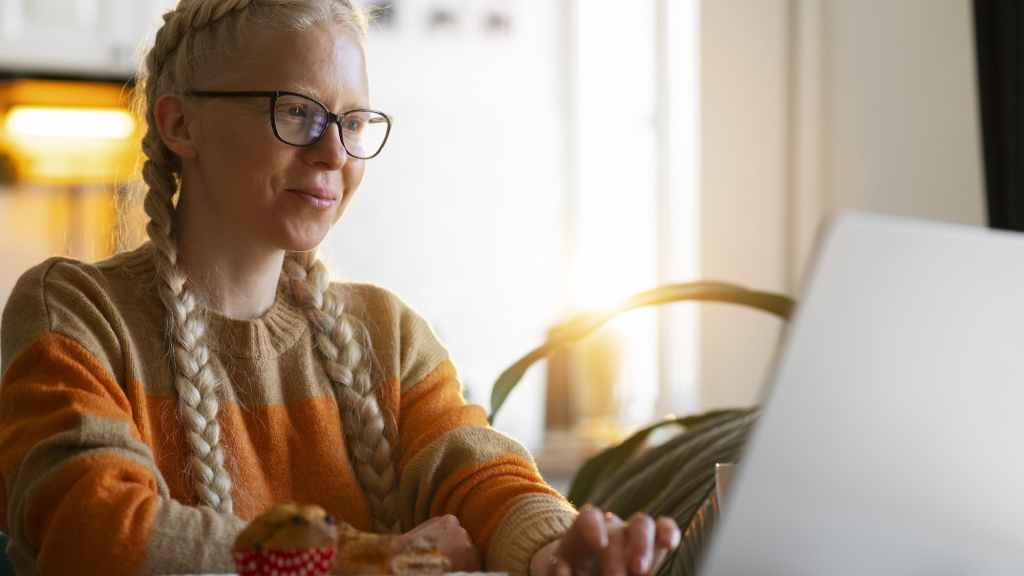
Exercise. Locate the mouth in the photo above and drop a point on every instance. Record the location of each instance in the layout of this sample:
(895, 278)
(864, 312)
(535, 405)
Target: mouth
(320, 193)
(317, 197)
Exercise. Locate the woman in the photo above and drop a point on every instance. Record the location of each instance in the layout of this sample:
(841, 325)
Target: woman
(154, 402)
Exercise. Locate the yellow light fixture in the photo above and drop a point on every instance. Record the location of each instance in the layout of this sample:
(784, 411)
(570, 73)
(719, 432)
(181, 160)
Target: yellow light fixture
(62, 132)
(70, 123)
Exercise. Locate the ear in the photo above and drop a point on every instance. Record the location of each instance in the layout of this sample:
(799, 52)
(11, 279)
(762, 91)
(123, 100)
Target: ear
(173, 124)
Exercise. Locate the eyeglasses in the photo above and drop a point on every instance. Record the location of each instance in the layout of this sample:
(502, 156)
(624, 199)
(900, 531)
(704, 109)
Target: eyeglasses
(301, 121)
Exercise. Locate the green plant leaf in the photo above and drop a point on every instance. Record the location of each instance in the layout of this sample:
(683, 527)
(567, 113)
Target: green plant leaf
(602, 465)
(581, 325)
(598, 467)
(655, 481)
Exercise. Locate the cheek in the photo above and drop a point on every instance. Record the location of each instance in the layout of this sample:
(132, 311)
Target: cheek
(249, 148)
(254, 175)
(352, 175)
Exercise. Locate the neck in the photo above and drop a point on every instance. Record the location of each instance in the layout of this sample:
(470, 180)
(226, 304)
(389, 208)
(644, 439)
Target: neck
(235, 276)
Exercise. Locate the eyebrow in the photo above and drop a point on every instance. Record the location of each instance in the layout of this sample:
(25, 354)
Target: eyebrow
(307, 90)
(315, 94)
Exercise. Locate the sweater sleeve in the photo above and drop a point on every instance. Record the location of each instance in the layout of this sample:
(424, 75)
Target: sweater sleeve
(452, 462)
(82, 493)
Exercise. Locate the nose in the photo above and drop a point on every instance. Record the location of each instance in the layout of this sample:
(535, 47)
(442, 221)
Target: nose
(328, 152)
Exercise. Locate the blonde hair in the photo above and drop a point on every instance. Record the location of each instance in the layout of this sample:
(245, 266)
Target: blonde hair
(193, 33)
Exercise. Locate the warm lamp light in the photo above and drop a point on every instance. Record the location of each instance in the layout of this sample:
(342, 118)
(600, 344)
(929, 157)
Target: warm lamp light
(70, 123)
(67, 132)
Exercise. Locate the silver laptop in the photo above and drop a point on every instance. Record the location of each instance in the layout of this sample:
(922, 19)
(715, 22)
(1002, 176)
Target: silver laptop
(892, 439)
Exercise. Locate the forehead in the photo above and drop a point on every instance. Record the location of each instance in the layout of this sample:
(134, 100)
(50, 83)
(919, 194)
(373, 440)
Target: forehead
(326, 62)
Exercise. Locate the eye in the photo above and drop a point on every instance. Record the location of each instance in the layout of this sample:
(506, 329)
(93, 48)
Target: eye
(298, 520)
(295, 110)
(330, 520)
(353, 123)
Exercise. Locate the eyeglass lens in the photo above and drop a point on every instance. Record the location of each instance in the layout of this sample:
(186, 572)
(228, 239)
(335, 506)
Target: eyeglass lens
(300, 121)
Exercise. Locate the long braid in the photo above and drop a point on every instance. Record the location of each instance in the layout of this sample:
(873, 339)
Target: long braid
(196, 387)
(346, 365)
(197, 394)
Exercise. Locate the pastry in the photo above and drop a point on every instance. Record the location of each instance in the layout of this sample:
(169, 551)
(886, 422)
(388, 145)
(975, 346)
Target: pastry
(364, 553)
(287, 540)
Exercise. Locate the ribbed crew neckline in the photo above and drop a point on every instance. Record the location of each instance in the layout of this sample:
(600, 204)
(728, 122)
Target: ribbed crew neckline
(277, 330)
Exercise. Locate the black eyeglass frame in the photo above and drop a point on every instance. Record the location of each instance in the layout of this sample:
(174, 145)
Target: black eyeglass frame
(275, 94)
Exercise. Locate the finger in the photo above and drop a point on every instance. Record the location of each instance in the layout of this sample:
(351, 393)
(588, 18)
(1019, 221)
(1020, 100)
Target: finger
(611, 520)
(585, 537)
(595, 532)
(668, 534)
(667, 538)
(613, 557)
(434, 523)
(640, 536)
(659, 557)
(467, 551)
(581, 545)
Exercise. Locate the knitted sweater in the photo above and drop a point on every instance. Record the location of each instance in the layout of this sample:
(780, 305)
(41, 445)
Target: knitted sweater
(93, 458)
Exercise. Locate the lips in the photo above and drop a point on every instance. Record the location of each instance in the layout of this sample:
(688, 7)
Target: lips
(319, 193)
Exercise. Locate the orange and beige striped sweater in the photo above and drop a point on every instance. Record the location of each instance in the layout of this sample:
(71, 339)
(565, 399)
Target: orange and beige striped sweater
(93, 458)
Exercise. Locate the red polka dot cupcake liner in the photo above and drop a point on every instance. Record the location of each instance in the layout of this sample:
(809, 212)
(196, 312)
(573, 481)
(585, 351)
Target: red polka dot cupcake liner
(313, 562)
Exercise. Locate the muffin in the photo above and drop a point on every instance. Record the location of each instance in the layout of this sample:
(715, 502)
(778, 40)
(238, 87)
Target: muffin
(287, 540)
(364, 553)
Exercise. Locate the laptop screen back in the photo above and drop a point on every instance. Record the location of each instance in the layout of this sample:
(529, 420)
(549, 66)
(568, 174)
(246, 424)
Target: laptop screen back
(892, 436)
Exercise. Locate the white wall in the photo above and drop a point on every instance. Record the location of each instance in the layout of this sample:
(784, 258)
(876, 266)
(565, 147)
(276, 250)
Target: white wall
(743, 183)
(892, 125)
(903, 109)
(812, 106)
(461, 214)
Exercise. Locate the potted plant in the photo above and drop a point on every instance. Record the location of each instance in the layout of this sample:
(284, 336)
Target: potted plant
(677, 477)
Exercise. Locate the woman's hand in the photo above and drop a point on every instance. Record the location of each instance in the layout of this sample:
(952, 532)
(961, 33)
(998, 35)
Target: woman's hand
(601, 543)
(451, 539)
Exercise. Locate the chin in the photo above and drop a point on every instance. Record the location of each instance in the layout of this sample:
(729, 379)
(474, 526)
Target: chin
(304, 245)
(299, 242)
(301, 236)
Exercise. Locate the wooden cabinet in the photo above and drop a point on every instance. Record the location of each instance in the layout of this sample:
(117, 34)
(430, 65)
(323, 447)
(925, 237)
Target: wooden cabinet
(76, 37)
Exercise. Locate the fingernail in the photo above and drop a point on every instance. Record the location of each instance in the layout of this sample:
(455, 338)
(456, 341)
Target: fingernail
(642, 564)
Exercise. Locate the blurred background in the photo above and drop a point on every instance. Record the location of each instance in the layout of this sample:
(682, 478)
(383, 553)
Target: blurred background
(551, 156)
